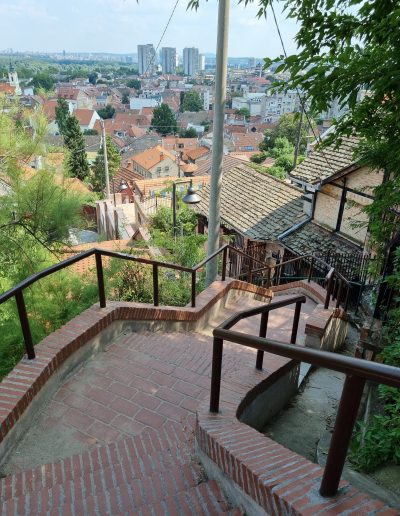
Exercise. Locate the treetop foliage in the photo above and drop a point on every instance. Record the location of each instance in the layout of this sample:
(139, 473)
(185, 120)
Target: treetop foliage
(164, 120)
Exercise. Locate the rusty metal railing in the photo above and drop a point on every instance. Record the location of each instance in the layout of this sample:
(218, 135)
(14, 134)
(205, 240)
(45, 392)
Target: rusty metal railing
(357, 372)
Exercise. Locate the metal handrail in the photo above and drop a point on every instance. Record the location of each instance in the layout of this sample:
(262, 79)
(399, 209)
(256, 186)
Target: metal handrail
(357, 372)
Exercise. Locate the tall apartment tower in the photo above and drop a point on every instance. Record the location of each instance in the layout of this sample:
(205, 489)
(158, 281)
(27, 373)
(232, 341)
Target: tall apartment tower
(202, 62)
(147, 59)
(191, 61)
(168, 60)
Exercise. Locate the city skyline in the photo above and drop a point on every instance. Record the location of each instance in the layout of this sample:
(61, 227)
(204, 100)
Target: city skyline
(118, 26)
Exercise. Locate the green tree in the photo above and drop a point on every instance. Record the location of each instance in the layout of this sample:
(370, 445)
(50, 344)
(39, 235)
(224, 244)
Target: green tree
(93, 77)
(90, 132)
(188, 133)
(97, 176)
(134, 83)
(42, 80)
(243, 112)
(125, 98)
(192, 101)
(77, 163)
(164, 120)
(287, 127)
(62, 115)
(106, 112)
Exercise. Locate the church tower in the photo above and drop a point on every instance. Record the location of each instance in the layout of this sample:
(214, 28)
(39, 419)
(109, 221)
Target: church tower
(13, 79)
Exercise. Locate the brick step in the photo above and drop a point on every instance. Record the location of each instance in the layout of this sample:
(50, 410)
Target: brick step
(110, 488)
(205, 499)
(139, 455)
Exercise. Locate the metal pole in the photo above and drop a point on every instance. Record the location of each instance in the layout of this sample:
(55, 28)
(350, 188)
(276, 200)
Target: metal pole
(100, 280)
(296, 150)
(345, 420)
(26, 330)
(155, 284)
(218, 139)
(263, 334)
(218, 345)
(174, 209)
(103, 132)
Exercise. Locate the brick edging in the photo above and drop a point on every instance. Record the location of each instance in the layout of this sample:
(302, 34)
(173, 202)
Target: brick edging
(277, 479)
(25, 381)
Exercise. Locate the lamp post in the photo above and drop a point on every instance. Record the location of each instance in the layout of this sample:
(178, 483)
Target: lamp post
(190, 198)
(122, 186)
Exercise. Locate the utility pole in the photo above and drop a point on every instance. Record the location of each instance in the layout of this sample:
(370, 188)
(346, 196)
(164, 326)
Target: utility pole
(218, 139)
(103, 132)
(296, 149)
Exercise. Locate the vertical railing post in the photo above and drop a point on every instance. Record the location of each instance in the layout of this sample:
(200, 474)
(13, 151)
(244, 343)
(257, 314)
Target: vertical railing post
(100, 279)
(346, 303)
(345, 420)
(224, 259)
(296, 320)
(155, 284)
(311, 269)
(193, 289)
(218, 345)
(339, 293)
(268, 277)
(263, 334)
(328, 290)
(250, 273)
(26, 330)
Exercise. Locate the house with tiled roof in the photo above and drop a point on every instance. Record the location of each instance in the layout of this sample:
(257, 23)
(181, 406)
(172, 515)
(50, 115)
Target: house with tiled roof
(77, 97)
(255, 207)
(155, 162)
(87, 118)
(337, 188)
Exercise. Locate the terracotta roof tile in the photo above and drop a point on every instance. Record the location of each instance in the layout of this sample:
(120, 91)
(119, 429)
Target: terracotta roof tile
(151, 157)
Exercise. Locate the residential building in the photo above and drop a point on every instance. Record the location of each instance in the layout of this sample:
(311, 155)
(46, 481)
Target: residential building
(155, 162)
(202, 62)
(251, 101)
(87, 118)
(168, 60)
(191, 61)
(146, 59)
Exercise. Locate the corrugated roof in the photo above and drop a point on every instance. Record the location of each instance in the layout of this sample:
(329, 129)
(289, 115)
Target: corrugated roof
(324, 163)
(258, 206)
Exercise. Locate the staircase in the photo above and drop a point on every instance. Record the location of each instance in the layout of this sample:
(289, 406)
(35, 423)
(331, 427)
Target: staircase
(129, 411)
(143, 475)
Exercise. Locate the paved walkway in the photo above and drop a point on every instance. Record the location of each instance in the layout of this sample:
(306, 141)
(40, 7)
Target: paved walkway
(117, 437)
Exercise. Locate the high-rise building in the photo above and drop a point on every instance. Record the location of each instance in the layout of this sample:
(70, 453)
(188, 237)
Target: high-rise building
(168, 60)
(202, 62)
(146, 59)
(191, 61)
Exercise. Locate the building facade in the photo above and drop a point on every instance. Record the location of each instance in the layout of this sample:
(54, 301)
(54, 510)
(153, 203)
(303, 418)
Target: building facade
(191, 61)
(146, 59)
(168, 60)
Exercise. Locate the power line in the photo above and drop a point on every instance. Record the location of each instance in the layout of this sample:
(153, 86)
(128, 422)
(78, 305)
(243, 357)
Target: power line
(302, 103)
(162, 36)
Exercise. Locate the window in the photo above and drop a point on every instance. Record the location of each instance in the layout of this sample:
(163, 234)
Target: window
(166, 169)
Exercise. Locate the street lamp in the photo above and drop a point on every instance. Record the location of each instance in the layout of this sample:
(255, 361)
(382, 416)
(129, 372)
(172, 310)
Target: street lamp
(190, 198)
(122, 186)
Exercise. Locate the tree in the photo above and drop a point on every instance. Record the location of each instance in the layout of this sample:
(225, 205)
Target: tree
(192, 101)
(42, 80)
(125, 98)
(188, 133)
(77, 163)
(164, 120)
(287, 127)
(106, 112)
(97, 176)
(93, 77)
(134, 83)
(243, 112)
(62, 115)
(90, 132)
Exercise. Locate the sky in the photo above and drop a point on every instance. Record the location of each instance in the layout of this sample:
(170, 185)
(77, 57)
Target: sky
(118, 26)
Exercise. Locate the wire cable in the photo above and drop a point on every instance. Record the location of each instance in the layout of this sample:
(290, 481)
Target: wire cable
(162, 36)
(302, 103)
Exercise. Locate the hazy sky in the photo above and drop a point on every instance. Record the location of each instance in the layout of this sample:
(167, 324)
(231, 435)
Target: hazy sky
(119, 25)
